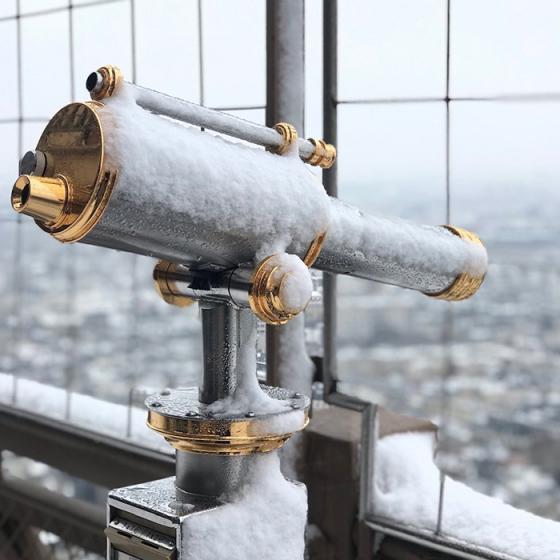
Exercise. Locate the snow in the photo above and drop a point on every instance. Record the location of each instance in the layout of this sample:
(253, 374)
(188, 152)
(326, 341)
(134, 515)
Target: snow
(297, 286)
(397, 251)
(87, 412)
(255, 204)
(230, 187)
(249, 397)
(407, 485)
(265, 518)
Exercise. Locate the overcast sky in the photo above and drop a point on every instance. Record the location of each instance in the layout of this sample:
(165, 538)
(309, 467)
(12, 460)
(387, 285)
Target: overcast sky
(390, 48)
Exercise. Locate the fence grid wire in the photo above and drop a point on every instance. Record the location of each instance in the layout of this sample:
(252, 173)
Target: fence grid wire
(72, 332)
(332, 102)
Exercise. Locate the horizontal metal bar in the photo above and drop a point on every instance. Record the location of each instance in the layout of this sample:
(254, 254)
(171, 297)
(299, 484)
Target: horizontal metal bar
(214, 120)
(75, 521)
(14, 120)
(432, 542)
(241, 108)
(59, 9)
(101, 459)
(508, 97)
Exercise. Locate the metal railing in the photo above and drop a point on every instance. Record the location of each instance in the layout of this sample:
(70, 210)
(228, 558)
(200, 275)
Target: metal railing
(424, 540)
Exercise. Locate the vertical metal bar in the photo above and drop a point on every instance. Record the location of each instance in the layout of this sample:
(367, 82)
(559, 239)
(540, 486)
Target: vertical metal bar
(70, 311)
(133, 40)
(201, 99)
(370, 430)
(134, 288)
(220, 342)
(17, 273)
(447, 334)
(225, 332)
(447, 115)
(441, 499)
(131, 392)
(285, 102)
(330, 181)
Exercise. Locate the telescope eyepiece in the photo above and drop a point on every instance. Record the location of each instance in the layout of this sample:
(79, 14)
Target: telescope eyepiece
(94, 82)
(42, 198)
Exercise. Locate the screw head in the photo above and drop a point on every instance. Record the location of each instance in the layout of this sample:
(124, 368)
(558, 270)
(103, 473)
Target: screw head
(295, 406)
(155, 405)
(191, 413)
(250, 414)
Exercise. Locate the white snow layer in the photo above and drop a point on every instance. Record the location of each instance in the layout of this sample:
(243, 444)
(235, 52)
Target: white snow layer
(297, 286)
(235, 186)
(88, 412)
(249, 397)
(407, 485)
(265, 519)
(239, 188)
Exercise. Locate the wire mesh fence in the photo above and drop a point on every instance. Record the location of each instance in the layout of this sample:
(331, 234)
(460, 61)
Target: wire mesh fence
(454, 364)
(65, 330)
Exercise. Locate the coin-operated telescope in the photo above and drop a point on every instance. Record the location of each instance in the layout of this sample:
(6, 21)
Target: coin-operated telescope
(235, 227)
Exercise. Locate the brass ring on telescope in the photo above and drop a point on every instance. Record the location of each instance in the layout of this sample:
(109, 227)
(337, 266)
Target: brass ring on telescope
(216, 437)
(166, 287)
(465, 284)
(112, 79)
(314, 249)
(323, 156)
(289, 137)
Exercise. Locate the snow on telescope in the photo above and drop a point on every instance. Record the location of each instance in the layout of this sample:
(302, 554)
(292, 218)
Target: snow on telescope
(131, 170)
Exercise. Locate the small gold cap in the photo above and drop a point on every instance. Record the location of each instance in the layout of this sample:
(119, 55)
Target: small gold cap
(323, 156)
(166, 287)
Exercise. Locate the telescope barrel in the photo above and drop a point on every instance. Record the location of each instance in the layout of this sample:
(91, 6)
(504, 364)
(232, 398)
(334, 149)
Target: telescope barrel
(137, 182)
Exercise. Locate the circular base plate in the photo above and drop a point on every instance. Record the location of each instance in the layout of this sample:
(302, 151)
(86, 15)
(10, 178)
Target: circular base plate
(189, 425)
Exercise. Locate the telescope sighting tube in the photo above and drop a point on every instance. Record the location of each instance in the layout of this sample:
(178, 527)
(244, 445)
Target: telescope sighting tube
(115, 175)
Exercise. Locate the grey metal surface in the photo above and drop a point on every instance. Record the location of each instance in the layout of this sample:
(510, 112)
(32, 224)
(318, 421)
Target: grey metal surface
(96, 457)
(210, 475)
(220, 286)
(220, 342)
(159, 499)
(285, 102)
(330, 182)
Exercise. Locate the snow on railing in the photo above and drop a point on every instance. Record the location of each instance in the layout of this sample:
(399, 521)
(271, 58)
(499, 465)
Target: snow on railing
(122, 421)
(405, 489)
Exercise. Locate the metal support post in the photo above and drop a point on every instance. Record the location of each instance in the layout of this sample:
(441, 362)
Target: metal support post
(285, 24)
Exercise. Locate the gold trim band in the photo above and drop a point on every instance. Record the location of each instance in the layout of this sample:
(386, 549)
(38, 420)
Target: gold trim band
(112, 80)
(166, 287)
(323, 156)
(289, 137)
(465, 285)
(217, 437)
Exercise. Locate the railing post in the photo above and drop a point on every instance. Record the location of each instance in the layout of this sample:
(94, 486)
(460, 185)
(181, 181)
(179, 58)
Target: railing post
(285, 81)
